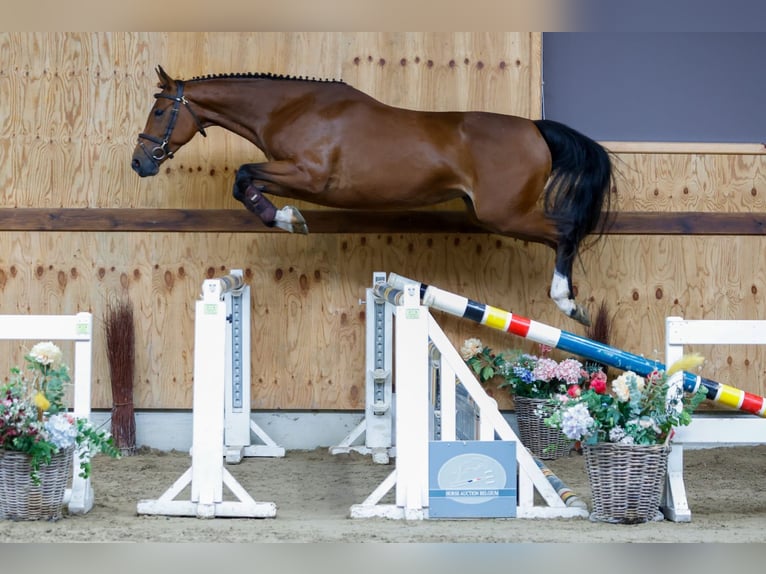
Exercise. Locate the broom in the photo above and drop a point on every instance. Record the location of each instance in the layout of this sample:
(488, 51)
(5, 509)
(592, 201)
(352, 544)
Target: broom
(120, 349)
(600, 331)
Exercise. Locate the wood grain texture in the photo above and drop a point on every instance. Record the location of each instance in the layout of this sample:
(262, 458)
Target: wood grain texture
(322, 221)
(691, 182)
(78, 227)
(307, 320)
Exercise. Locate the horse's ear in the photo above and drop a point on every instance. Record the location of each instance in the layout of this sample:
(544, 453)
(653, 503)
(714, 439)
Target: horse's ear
(165, 80)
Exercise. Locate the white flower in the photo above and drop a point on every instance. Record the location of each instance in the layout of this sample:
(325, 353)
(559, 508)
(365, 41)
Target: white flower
(46, 353)
(621, 385)
(620, 389)
(62, 430)
(648, 422)
(576, 421)
(471, 348)
(616, 434)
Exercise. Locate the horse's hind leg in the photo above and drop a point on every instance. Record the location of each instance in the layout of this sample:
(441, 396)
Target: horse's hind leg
(561, 285)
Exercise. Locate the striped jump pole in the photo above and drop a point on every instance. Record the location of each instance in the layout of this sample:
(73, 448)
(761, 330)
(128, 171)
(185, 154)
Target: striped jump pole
(502, 320)
(567, 494)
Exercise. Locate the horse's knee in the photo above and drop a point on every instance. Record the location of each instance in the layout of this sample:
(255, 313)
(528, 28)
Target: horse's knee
(244, 178)
(242, 181)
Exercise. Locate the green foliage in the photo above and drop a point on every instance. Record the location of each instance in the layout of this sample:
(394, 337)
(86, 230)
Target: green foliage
(636, 411)
(486, 363)
(92, 441)
(34, 419)
(524, 375)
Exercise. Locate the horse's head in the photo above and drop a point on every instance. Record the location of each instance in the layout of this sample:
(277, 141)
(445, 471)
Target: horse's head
(167, 127)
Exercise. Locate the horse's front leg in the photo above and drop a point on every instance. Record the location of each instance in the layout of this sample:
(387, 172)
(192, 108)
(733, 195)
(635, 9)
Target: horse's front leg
(250, 190)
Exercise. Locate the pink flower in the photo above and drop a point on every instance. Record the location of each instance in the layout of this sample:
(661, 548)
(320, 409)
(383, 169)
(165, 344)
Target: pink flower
(574, 391)
(545, 369)
(569, 371)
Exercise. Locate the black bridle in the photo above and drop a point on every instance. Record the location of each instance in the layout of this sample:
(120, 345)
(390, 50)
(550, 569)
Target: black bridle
(160, 151)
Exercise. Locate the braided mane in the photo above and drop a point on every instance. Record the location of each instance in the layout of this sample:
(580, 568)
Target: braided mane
(265, 76)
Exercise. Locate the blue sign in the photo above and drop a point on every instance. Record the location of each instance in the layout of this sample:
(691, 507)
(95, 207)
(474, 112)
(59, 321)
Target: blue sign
(472, 479)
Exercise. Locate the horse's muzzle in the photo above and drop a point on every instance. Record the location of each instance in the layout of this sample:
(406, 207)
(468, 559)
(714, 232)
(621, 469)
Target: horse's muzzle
(144, 166)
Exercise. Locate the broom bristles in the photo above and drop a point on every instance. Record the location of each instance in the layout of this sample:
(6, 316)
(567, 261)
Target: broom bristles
(601, 331)
(120, 348)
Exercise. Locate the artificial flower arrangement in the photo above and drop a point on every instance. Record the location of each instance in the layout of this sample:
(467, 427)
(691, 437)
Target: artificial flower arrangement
(482, 360)
(638, 410)
(527, 375)
(35, 421)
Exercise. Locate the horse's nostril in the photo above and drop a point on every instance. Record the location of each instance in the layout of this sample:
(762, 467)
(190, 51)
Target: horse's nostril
(135, 164)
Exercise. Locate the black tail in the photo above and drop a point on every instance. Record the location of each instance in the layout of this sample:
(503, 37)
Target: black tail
(578, 195)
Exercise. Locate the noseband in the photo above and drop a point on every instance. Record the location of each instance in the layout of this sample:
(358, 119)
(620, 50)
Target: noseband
(161, 151)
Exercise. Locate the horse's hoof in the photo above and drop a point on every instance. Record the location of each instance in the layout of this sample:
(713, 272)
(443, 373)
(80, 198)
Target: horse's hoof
(283, 225)
(290, 219)
(300, 228)
(296, 215)
(580, 315)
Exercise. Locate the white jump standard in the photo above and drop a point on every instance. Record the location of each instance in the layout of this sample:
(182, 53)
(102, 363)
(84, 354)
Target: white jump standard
(207, 474)
(414, 330)
(703, 430)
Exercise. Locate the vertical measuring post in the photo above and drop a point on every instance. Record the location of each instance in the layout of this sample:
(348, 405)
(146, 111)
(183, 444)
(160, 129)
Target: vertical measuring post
(237, 371)
(239, 427)
(377, 424)
(379, 396)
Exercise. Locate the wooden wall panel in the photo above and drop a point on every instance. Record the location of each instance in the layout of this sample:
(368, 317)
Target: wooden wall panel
(307, 320)
(307, 316)
(71, 105)
(647, 279)
(691, 182)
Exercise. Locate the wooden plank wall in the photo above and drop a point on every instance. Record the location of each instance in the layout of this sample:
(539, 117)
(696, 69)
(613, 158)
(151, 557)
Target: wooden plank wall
(71, 105)
(696, 277)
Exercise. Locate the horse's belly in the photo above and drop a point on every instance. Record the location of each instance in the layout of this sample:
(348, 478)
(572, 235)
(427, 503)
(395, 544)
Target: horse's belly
(399, 194)
(395, 183)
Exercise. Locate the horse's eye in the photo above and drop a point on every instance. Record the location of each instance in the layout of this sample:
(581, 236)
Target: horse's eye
(159, 112)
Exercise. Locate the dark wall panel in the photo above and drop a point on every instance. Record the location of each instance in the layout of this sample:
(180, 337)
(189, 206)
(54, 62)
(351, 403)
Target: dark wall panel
(687, 87)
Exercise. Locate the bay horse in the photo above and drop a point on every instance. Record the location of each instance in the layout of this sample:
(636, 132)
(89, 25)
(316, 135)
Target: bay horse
(328, 143)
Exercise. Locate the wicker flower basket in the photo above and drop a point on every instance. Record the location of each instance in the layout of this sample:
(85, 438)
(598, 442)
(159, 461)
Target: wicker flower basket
(20, 499)
(545, 442)
(626, 481)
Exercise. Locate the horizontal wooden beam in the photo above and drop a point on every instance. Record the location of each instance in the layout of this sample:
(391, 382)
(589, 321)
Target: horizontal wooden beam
(687, 148)
(230, 220)
(350, 221)
(688, 223)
